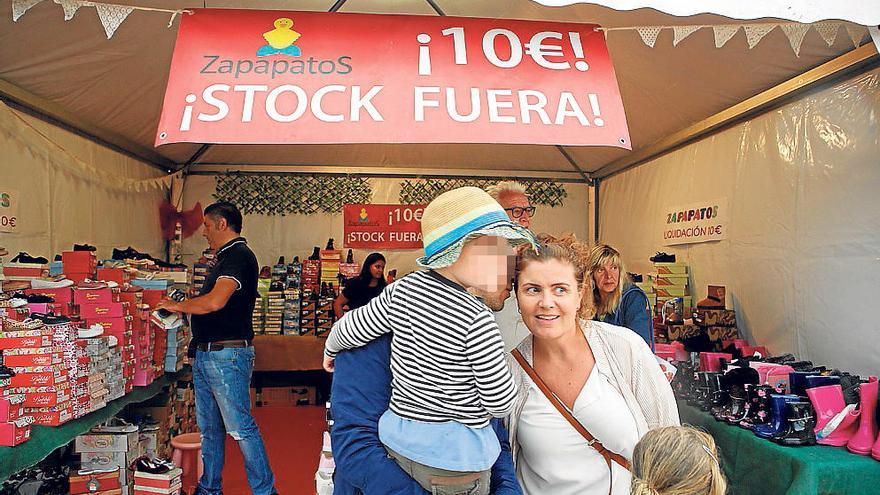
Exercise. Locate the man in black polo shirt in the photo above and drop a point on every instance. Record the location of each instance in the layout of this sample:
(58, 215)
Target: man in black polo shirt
(223, 353)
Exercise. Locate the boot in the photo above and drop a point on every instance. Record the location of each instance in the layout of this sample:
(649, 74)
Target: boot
(861, 442)
(777, 416)
(714, 299)
(316, 254)
(800, 421)
(758, 406)
(738, 410)
(350, 257)
(814, 381)
(835, 423)
(329, 244)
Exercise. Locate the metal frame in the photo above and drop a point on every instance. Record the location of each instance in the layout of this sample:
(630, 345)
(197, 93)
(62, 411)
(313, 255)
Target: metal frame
(859, 59)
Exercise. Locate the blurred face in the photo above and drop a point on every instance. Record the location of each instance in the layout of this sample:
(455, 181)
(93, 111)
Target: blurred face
(607, 277)
(377, 269)
(485, 264)
(549, 298)
(495, 300)
(509, 201)
(211, 231)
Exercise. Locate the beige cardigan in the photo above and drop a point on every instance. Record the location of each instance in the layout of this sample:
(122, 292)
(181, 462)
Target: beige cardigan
(621, 355)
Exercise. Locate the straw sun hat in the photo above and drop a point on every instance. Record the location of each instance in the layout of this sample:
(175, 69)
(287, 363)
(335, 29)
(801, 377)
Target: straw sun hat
(460, 215)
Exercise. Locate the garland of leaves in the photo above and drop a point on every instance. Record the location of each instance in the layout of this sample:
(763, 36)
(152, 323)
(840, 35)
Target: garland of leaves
(291, 194)
(423, 191)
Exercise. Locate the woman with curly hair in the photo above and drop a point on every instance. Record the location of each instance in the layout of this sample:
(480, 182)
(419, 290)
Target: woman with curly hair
(575, 374)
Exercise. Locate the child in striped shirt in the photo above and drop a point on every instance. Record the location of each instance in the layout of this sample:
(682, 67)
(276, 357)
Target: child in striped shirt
(448, 364)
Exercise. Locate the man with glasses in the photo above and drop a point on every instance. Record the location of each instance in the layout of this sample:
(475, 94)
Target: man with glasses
(512, 197)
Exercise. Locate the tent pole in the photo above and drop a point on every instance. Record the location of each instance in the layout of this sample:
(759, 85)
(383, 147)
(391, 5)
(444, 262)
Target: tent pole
(596, 184)
(574, 164)
(436, 7)
(856, 61)
(414, 175)
(337, 5)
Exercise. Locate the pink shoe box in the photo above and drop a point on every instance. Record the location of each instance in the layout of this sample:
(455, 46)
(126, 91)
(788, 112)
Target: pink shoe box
(13, 433)
(16, 314)
(39, 376)
(112, 325)
(751, 350)
(62, 295)
(11, 407)
(51, 416)
(45, 396)
(132, 297)
(42, 308)
(152, 296)
(711, 361)
(93, 296)
(102, 310)
(25, 339)
(142, 378)
(32, 356)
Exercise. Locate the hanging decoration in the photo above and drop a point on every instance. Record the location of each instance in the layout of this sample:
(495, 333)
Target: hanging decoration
(110, 14)
(423, 191)
(723, 34)
(756, 32)
(794, 31)
(291, 194)
(184, 223)
(795, 34)
(682, 32)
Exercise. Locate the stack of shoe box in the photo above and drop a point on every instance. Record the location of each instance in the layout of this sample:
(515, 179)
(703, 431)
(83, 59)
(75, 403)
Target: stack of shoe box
(79, 265)
(330, 259)
(23, 271)
(176, 345)
(200, 270)
(114, 377)
(274, 312)
(62, 298)
(308, 310)
(15, 428)
(167, 483)
(98, 351)
(103, 306)
(290, 322)
(258, 314)
(42, 374)
(144, 341)
(713, 317)
(670, 281)
(105, 447)
(311, 275)
(324, 311)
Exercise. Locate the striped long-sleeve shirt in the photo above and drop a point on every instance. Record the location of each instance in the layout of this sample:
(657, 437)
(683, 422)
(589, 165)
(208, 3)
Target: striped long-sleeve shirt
(447, 356)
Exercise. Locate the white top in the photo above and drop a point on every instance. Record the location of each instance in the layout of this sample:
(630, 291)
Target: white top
(555, 458)
(510, 323)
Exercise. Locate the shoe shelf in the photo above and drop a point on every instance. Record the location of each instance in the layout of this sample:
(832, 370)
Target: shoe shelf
(44, 439)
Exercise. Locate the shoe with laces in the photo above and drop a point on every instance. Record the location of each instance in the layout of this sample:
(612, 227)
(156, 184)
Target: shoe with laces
(84, 247)
(15, 302)
(39, 299)
(23, 257)
(662, 257)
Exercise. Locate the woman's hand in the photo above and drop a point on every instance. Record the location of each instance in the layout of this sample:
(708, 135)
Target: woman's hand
(329, 364)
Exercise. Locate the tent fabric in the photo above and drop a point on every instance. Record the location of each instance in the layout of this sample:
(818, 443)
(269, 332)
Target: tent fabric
(118, 85)
(858, 11)
(61, 205)
(802, 261)
(296, 235)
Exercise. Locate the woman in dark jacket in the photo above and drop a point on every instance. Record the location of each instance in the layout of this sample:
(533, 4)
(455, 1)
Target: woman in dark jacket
(617, 300)
(361, 289)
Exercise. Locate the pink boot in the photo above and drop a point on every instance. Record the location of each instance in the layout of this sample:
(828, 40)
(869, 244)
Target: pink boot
(828, 403)
(861, 442)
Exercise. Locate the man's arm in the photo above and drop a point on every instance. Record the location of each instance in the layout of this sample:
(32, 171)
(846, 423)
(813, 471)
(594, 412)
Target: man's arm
(504, 480)
(208, 303)
(361, 391)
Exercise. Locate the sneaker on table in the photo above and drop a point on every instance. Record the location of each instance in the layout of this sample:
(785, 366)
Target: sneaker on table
(40, 283)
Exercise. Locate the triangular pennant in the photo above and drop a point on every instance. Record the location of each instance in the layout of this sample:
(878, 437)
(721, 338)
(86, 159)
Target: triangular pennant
(70, 7)
(112, 16)
(828, 31)
(649, 34)
(723, 34)
(682, 32)
(856, 33)
(795, 34)
(756, 32)
(19, 7)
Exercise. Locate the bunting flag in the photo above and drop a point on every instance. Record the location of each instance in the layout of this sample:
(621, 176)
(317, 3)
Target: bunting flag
(828, 31)
(112, 16)
(723, 34)
(70, 7)
(682, 32)
(856, 33)
(649, 34)
(756, 32)
(795, 34)
(19, 7)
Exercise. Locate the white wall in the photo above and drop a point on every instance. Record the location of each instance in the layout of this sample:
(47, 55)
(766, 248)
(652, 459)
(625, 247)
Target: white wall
(63, 202)
(802, 261)
(295, 235)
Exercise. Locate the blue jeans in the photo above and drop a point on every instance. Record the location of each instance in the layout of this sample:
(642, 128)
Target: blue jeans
(222, 382)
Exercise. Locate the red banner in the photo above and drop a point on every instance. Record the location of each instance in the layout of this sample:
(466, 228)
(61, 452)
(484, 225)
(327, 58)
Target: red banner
(383, 226)
(250, 76)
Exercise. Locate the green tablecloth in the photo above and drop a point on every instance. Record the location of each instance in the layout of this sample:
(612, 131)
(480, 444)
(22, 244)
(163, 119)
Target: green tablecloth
(46, 439)
(761, 467)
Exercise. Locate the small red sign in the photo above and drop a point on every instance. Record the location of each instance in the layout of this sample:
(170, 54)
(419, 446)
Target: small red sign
(383, 226)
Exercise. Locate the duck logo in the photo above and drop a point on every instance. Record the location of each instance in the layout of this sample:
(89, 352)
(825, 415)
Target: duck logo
(363, 217)
(281, 39)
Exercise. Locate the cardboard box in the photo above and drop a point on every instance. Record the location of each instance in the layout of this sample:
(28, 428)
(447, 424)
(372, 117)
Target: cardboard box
(164, 481)
(670, 291)
(78, 277)
(152, 296)
(79, 261)
(11, 407)
(114, 326)
(93, 296)
(94, 483)
(662, 279)
(41, 356)
(15, 432)
(61, 295)
(101, 310)
(24, 270)
(50, 416)
(671, 268)
(715, 317)
(106, 442)
(46, 376)
(104, 460)
(118, 275)
(25, 341)
(50, 396)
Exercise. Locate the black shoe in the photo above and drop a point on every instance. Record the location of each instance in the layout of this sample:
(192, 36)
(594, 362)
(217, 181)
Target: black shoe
(635, 277)
(23, 257)
(39, 299)
(316, 254)
(662, 257)
(57, 257)
(6, 372)
(50, 319)
(350, 258)
(329, 244)
(296, 260)
(84, 247)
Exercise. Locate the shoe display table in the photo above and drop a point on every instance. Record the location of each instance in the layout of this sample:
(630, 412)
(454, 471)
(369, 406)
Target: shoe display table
(288, 352)
(44, 439)
(761, 467)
